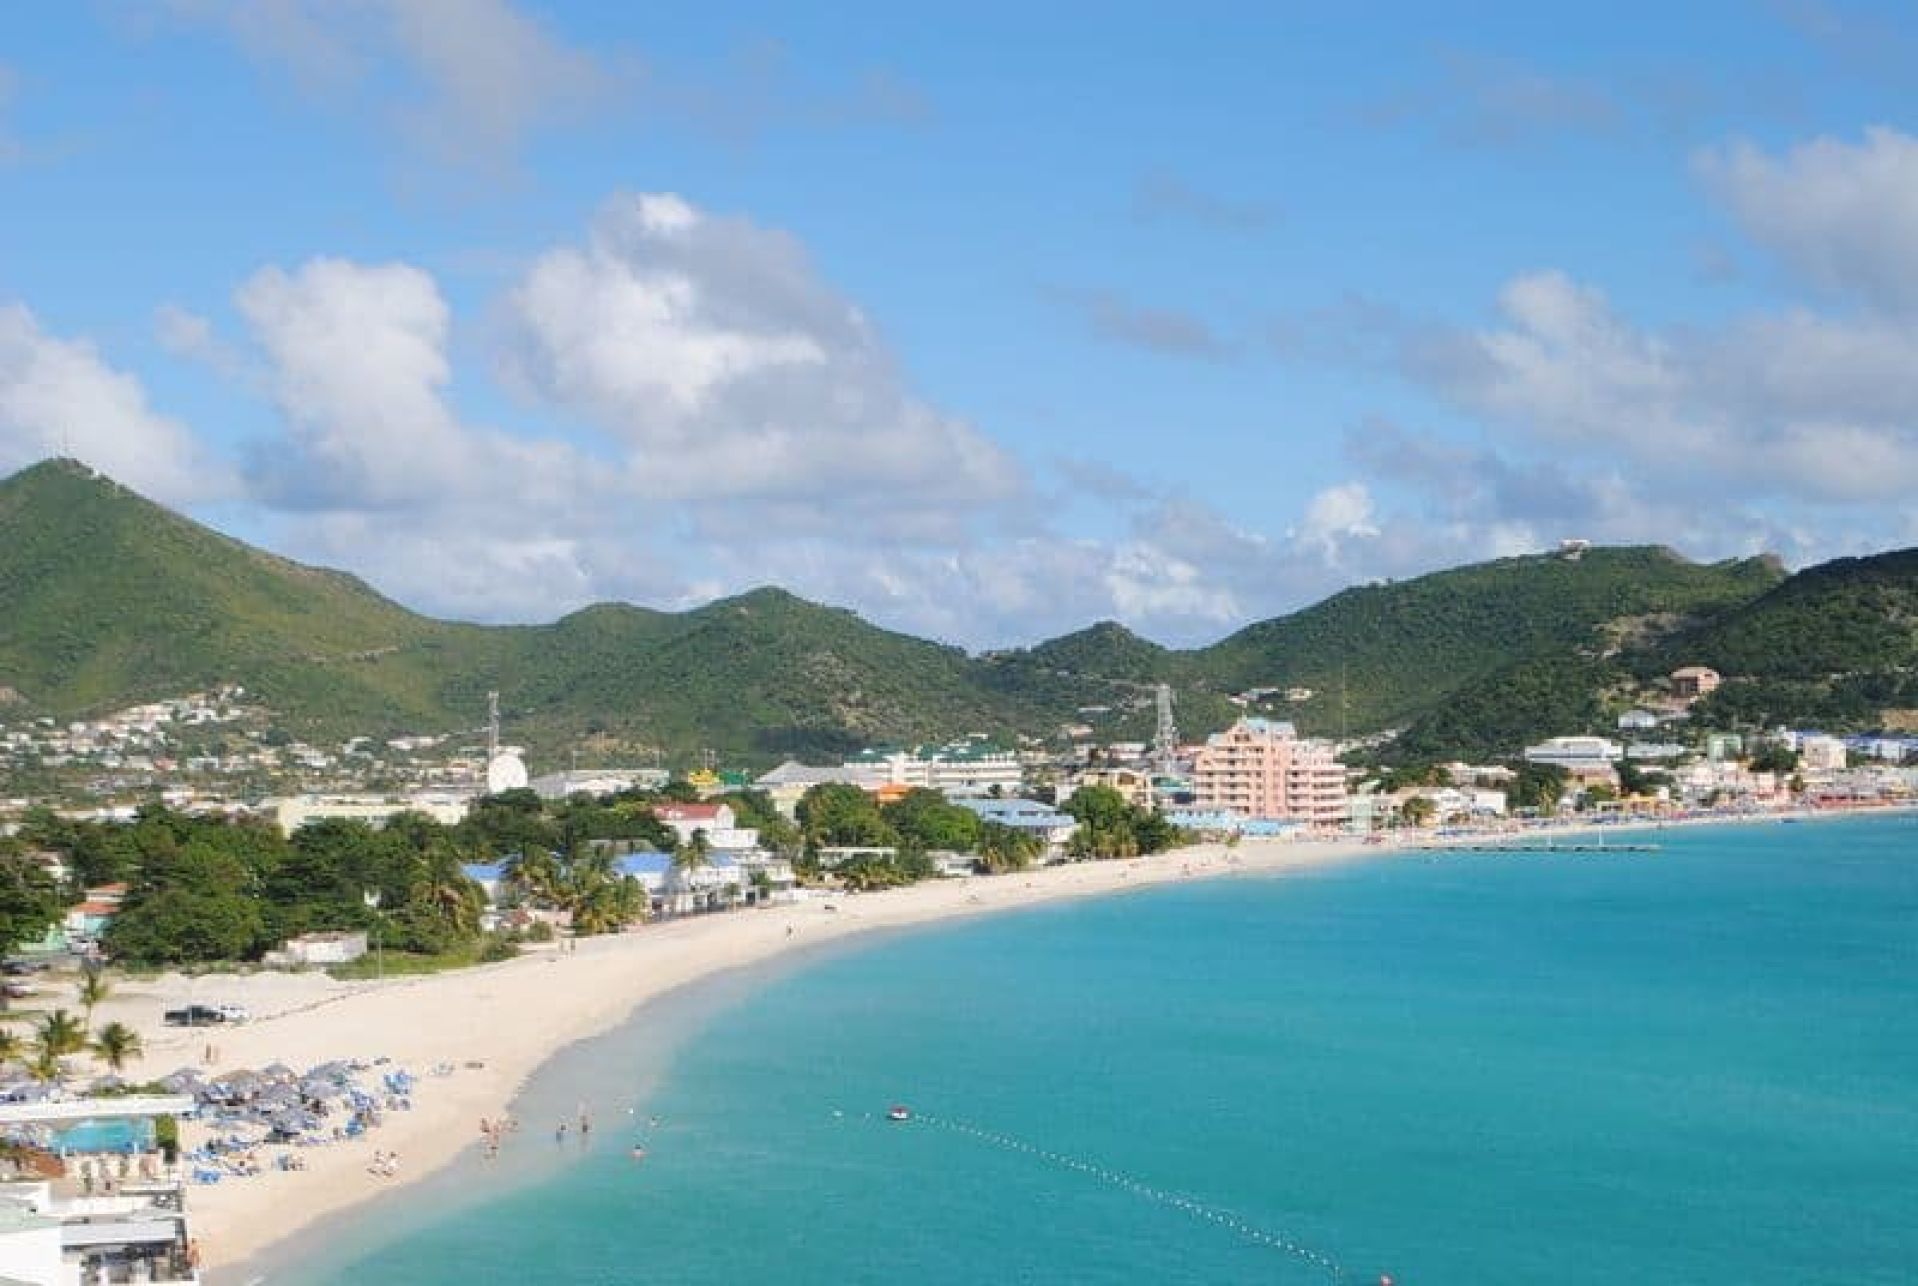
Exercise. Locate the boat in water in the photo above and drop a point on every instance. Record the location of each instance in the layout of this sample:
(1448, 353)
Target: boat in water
(898, 1112)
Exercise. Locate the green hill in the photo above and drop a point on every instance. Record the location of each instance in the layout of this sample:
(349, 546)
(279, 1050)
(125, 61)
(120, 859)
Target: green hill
(106, 599)
(1379, 655)
(1835, 644)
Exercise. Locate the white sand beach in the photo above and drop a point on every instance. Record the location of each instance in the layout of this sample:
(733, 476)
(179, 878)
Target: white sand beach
(497, 1024)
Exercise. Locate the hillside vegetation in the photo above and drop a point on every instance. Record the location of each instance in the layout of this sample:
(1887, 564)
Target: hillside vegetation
(106, 599)
(1836, 644)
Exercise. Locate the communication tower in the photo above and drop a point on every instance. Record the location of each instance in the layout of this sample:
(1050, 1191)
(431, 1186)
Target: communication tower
(1165, 739)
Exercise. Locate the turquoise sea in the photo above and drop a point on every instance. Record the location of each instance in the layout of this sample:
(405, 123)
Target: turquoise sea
(1698, 1065)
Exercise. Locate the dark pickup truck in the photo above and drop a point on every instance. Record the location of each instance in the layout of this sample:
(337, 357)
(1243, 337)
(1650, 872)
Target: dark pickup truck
(194, 1016)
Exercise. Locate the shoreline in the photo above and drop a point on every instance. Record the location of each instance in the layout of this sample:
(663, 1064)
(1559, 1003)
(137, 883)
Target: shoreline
(497, 1026)
(516, 1017)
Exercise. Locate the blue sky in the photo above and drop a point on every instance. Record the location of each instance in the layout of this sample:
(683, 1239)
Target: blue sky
(988, 324)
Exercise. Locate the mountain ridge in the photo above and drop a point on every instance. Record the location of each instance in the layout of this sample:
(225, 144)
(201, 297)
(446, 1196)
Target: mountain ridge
(110, 598)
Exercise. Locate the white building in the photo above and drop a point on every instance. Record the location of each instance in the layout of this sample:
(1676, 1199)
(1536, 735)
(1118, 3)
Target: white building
(963, 768)
(787, 784)
(296, 811)
(319, 949)
(57, 1230)
(1576, 754)
(1821, 754)
(598, 781)
(721, 827)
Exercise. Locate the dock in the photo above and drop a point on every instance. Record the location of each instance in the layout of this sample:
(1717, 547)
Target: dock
(1581, 847)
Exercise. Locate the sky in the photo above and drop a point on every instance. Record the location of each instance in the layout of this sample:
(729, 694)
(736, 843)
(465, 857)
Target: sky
(988, 321)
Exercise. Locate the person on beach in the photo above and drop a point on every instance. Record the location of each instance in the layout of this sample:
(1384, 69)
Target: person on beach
(559, 1135)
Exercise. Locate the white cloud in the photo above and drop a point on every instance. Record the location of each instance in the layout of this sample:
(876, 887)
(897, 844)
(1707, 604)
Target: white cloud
(712, 353)
(467, 81)
(190, 336)
(358, 364)
(1843, 214)
(1788, 406)
(473, 82)
(60, 397)
(1335, 516)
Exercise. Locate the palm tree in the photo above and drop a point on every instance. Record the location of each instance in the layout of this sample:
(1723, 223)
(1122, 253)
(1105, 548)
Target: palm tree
(116, 1043)
(57, 1035)
(44, 1066)
(12, 1048)
(94, 988)
(692, 857)
(61, 1033)
(534, 874)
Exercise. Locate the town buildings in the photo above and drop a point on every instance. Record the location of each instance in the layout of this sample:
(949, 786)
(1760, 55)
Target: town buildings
(972, 766)
(1052, 827)
(1261, 768)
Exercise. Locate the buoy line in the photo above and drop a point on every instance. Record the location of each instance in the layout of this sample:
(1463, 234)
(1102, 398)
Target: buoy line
(1218, 1216)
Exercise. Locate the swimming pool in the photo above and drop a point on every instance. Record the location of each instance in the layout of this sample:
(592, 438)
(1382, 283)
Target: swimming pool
(105, 1136)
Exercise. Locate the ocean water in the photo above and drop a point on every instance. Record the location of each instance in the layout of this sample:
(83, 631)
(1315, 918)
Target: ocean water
(1698, 1065)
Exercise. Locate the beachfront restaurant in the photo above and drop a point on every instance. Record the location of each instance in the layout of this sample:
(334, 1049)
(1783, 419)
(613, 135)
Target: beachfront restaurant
(87, 1196)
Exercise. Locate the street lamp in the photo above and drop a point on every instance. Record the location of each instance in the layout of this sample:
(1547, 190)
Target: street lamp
(372, 899)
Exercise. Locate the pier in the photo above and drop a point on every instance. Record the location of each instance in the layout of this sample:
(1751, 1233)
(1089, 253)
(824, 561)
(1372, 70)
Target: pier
(1577, 847)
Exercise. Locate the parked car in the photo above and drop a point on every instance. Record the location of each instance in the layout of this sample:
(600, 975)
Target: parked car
(195, 1016)
(233, 1013)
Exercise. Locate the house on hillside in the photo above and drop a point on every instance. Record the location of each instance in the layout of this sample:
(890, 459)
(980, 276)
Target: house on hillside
(1689, 682)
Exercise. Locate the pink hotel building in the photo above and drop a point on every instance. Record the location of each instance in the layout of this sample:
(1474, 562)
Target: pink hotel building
(1259, 768)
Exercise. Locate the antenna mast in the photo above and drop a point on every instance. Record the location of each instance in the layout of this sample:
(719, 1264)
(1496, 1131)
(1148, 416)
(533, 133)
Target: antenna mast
(492, 726)
(1165, 739)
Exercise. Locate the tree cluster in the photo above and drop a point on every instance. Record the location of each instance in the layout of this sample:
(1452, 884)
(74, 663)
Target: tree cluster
(1111, 826)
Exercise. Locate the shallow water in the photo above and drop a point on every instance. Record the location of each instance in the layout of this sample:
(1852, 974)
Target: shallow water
(1699, 1065)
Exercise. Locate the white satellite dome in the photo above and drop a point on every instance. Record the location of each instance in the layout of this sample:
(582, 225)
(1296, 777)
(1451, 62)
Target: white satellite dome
(505, 771)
